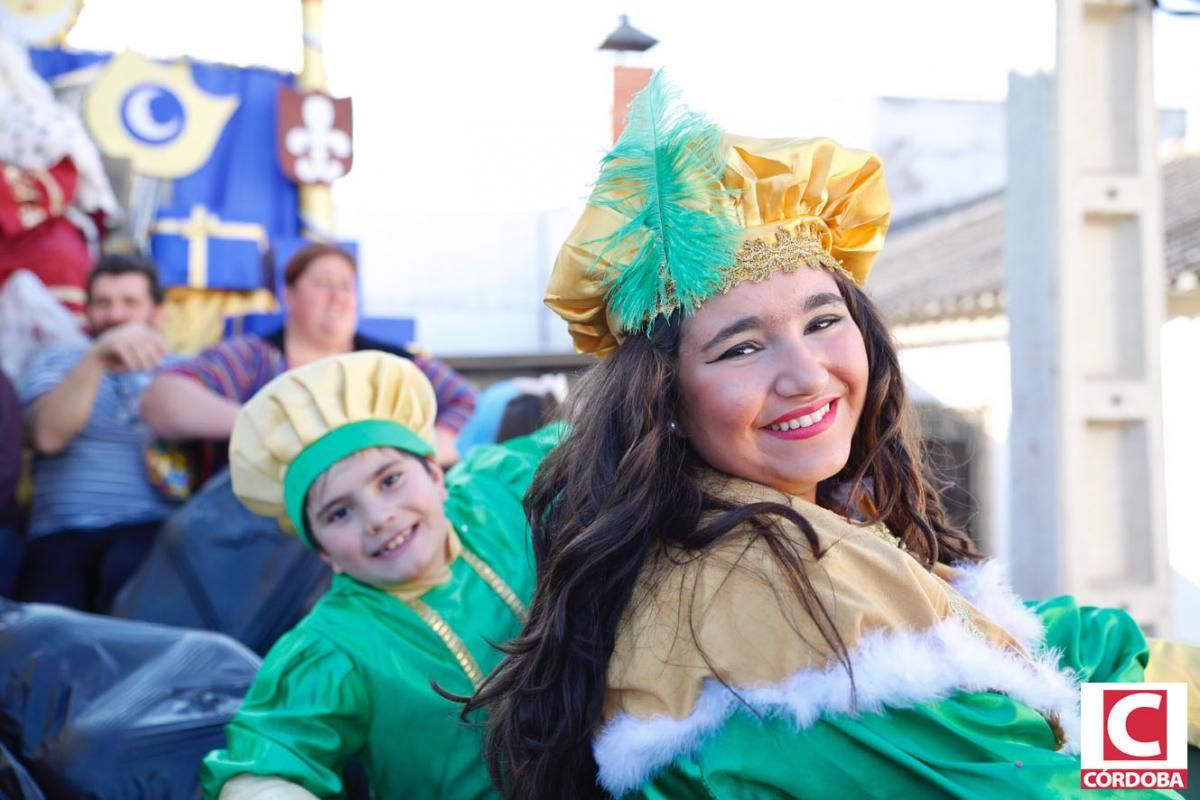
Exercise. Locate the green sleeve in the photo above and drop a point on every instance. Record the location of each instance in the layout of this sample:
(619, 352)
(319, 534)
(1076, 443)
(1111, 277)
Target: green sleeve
(977, 745)
(971, 745)
(1100, 644)
(305, 715)
(507, 467)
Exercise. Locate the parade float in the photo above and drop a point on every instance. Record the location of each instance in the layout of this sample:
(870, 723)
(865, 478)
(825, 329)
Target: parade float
(218, 174)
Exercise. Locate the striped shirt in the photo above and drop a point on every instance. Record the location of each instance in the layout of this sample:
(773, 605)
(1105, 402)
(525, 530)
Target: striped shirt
(99, 479)
(238, 367)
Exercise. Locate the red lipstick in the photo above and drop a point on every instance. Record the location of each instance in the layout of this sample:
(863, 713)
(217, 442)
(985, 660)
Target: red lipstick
(815, 429)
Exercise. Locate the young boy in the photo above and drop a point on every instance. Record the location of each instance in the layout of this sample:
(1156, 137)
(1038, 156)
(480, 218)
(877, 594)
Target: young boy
(429, 571)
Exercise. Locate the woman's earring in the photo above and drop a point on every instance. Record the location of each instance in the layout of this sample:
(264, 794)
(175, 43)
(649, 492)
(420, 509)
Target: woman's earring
(673, 427)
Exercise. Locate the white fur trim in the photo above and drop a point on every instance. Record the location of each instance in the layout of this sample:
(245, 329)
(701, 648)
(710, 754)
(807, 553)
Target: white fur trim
(987, 586)
(893, 669)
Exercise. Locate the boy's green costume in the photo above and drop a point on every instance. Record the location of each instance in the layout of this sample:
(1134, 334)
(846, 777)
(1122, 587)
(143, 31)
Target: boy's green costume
(353, 679)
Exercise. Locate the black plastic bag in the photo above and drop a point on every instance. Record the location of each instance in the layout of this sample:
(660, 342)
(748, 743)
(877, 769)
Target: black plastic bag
(15, 783)
(219, 567)
(110, 709)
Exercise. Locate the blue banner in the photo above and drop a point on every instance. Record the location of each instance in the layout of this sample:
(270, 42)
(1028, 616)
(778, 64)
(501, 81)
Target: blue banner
(218, 225)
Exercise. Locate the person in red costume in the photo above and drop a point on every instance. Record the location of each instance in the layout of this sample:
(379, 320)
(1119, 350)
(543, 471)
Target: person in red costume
(55, 198)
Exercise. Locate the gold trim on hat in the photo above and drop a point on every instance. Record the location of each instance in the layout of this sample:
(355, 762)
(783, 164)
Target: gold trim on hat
(759, 258)
(783, 250)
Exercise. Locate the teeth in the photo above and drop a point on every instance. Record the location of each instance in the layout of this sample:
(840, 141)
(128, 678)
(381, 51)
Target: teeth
(399, 540)
(803, 421)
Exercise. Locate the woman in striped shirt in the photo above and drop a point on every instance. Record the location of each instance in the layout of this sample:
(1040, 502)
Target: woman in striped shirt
(199, 399)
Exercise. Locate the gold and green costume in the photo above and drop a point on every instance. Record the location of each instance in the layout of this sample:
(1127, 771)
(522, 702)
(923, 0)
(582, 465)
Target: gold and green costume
(721, 686)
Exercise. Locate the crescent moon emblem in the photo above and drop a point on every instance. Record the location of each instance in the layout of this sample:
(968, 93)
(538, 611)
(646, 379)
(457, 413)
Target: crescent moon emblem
(140, 120)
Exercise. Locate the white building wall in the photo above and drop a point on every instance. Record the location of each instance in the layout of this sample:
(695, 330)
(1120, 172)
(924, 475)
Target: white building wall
(1181, 452)
(974, 376)
(939, 153)
(472, 281)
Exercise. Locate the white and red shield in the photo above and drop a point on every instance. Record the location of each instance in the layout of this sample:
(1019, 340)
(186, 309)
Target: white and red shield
(315, 136)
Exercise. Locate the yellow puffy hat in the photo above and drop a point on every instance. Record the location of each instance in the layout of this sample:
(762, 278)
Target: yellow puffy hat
(687, 212)
(309, 418)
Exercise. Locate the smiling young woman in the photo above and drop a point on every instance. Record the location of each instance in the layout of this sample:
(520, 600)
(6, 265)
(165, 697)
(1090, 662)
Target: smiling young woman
(773, 376)
(746, 585)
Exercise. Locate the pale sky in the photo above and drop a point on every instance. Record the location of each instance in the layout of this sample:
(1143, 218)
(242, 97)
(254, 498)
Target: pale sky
(478, 125)
(921, 48)
(507, 104)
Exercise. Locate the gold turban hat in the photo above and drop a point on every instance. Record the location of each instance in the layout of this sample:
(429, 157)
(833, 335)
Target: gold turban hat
(682, 212)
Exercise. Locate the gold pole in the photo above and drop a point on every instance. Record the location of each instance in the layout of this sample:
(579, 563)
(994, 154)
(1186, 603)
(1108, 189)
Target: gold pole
(316, 200)
(312, 74)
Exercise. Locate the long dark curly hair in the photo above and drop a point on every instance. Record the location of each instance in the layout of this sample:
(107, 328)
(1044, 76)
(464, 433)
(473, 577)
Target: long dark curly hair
(622, 484)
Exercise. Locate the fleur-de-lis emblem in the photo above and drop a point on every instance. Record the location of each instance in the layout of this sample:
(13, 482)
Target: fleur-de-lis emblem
(315, 140)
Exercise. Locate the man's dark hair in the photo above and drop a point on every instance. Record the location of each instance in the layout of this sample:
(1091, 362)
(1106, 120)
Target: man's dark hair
(123, 265)
(524, 414)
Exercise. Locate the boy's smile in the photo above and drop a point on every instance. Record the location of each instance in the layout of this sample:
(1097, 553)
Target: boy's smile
(377, 516)
(395, 543)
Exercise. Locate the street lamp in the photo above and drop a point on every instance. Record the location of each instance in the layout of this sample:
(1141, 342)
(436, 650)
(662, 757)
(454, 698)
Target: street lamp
(627, 80)
(626, 39)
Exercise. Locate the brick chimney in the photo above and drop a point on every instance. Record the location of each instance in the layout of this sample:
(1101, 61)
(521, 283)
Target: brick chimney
(627, 81)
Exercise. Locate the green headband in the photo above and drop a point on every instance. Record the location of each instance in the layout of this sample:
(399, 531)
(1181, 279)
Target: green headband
(332, 448)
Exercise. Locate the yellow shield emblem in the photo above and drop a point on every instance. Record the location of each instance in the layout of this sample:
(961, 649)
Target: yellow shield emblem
(155, 115)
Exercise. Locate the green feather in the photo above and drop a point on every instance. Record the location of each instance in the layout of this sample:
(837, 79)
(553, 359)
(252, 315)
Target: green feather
(663, 175)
